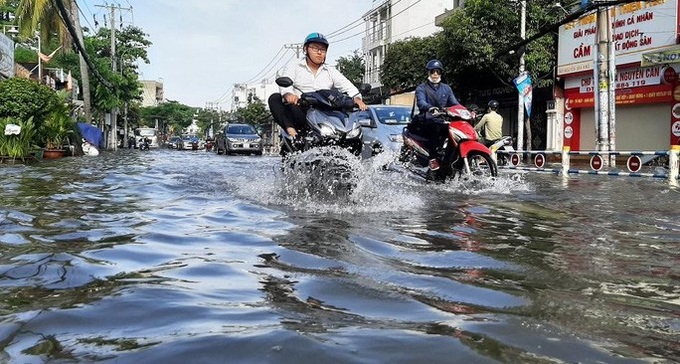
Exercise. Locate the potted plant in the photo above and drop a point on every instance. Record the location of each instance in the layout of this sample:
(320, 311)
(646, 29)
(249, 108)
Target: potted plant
(16, 137)
(56, 128)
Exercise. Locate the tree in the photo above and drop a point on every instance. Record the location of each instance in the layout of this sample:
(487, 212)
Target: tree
(255, 113)
(131, 44)
(404, 66)
(352, 67)
(475, 33)
(173, 115)
(467, 46)
(44, 16)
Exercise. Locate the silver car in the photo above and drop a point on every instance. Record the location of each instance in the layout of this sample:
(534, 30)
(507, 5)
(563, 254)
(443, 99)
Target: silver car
(239, 138)
(382, 126)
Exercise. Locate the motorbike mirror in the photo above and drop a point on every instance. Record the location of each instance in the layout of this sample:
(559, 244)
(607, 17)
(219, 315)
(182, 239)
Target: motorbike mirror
(284, 81)
(365, 88)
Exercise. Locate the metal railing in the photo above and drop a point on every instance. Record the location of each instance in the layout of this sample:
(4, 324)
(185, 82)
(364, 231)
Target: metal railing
(597, 163)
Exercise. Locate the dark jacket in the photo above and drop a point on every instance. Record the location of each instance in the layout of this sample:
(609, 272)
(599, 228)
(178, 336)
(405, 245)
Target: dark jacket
(442, 92)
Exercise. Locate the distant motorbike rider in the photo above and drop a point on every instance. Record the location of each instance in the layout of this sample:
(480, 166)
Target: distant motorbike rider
(431, 96)
(492, 123)
(308, 75)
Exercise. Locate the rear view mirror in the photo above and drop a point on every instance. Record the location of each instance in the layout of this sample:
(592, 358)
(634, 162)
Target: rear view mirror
(284, 82)
(365, 88)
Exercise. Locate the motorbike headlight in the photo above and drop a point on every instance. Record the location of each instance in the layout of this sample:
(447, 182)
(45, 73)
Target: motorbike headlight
(396, 138)
(354, 132)
(326, 130)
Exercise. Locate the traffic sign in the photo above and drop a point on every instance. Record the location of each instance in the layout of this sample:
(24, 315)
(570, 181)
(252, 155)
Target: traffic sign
(514, 159)
(634, 163)
(596, 162)
(539, 160)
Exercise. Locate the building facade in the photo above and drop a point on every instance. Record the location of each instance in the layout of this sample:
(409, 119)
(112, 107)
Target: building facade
(390, 21)
(243, 93)
(647, 93)
(152, 92)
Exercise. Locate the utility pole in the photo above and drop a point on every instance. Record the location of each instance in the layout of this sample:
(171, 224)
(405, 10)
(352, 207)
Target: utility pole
(297, 47)
(113, 133)
(612, 85)
(520, 103)
(604, 79)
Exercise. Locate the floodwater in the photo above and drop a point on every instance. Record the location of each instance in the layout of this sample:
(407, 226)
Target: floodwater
(189, 257)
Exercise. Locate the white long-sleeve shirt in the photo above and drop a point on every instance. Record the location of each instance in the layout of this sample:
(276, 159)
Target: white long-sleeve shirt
(326, 78)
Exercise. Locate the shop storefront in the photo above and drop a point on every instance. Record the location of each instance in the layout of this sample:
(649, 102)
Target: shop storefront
(647, 112)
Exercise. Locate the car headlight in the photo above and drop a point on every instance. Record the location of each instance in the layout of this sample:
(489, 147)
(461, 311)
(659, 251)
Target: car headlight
(232, 139)
(396, 138)
(326, 130)
(354, 132)
(257, 140)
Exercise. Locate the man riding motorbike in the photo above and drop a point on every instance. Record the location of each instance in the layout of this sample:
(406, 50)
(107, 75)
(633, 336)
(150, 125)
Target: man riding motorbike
(308, 75)
(492, 123)
(431, 96)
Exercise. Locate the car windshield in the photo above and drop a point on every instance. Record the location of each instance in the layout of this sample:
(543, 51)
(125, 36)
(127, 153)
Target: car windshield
(145, 132)
(393, 115)
(241, 129)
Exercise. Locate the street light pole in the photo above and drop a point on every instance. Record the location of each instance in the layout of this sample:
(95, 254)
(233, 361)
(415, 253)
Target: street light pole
(40, 80)
(520, 103)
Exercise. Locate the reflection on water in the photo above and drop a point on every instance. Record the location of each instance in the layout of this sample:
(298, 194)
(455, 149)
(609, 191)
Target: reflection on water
(172, 256)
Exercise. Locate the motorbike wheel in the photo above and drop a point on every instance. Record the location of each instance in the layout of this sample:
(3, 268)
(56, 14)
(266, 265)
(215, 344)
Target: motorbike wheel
(481, 165)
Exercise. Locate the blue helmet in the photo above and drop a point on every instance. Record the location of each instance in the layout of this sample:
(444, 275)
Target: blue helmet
(435, 64)
(316, 38)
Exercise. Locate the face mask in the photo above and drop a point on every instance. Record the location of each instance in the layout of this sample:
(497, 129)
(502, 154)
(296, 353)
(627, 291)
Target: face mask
(433, 81)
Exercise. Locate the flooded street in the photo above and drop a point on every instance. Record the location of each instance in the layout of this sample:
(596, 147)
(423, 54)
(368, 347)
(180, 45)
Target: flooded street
(189, 257)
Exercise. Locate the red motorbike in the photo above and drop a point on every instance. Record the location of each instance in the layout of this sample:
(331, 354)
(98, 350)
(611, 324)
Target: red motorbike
(459, 154)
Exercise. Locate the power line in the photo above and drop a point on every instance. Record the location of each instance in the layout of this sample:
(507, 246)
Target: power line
(72, 31)
(85, 16)
(390, 18)
(265, 67)
(346, 28)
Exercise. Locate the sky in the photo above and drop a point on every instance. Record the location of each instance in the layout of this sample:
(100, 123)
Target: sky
(201, 48)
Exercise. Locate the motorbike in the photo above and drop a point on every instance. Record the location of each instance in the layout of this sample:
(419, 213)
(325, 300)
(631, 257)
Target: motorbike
(503, 144)
(460, 154)
(209, 144)
(144, 143)
(328, 121)
(320, 148)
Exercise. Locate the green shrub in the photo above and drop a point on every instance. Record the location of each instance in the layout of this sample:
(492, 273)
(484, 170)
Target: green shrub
(22, 98)
(57, 126)
(16, 145)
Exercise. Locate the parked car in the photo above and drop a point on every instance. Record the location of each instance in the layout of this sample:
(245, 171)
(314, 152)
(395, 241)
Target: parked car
(189, 142)
(239, 138)
(174, 141)
(382, 126)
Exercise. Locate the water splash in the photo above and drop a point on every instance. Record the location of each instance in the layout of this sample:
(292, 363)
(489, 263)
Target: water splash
(332, 180)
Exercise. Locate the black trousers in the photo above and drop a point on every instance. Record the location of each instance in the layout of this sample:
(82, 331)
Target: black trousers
(433, 130)
(286, 115)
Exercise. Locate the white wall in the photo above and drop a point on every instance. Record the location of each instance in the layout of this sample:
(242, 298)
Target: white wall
(411, 18)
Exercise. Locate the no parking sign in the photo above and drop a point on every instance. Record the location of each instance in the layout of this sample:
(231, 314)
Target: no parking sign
(634, 163)
(539, 160)
(596, 162)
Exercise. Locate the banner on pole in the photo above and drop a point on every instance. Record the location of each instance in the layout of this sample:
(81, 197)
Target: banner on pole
(523, 84)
